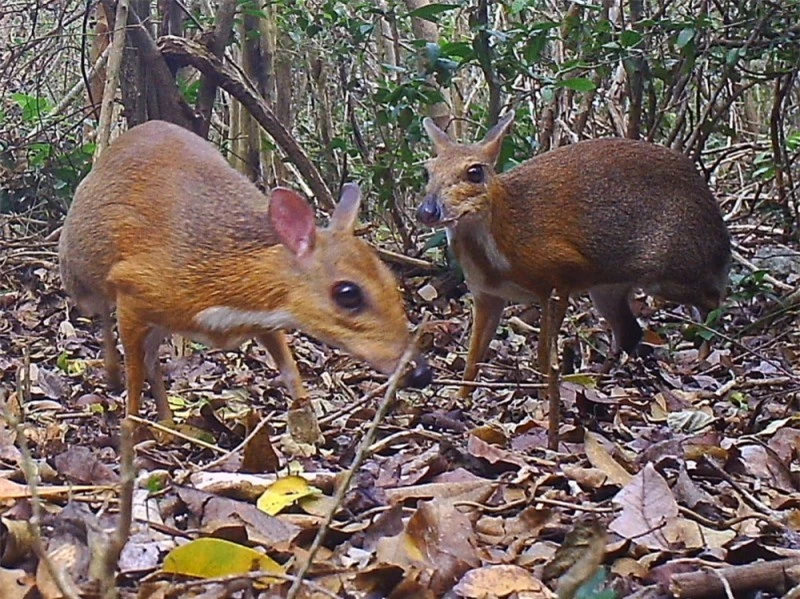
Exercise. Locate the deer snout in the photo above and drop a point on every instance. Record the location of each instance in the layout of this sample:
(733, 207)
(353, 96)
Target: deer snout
(429, 211)
(420, 377)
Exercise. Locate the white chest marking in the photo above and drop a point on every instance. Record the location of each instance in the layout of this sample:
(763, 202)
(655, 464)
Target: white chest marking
(222, 319)
(496, 258)
(476, 280)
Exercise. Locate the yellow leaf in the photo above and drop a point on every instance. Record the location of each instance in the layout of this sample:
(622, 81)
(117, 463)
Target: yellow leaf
(209, 558)
(600, 458)
(283, 493)
(76, 367)
(585, 380)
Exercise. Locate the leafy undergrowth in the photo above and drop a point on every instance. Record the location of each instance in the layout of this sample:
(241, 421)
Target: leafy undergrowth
(671, 464)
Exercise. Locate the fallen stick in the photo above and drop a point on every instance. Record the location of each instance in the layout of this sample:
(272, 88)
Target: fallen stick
(760, 576)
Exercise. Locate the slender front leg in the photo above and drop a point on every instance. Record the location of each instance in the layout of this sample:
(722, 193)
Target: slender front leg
(154, 375)
(111, 357)
(301, 420)
(486, 313)
(134, 334)
(556, 310)
(276, 345)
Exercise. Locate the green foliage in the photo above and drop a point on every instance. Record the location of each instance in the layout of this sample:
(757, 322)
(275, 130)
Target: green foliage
(746, 286)
(33, 107)
(432, 12)
(53, 169)
(569, 70)
(594, 587)
(538, 58)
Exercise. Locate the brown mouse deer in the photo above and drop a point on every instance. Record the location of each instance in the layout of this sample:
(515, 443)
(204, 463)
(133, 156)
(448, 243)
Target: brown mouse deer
(166, 231)
(604, 216)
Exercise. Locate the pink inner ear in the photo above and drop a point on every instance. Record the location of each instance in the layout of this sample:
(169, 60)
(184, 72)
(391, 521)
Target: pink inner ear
(293, 220)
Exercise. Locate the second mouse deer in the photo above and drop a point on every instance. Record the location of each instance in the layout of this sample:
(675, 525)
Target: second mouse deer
(604, 216)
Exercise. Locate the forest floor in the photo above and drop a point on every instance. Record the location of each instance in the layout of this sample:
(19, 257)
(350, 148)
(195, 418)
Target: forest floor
(669, 465)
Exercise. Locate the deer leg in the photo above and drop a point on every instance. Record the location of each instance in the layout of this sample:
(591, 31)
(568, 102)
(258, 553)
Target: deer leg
(134, 335)
(612, 303)
(111, 357)
(486, 313)
(154, 375)
(301, 420)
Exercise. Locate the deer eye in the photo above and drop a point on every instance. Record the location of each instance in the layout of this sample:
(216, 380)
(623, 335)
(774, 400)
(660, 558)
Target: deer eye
(348, 295)
(475, 173)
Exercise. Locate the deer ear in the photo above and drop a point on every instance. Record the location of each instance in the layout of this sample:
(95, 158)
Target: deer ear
(493, 142)
(439, 138)
(293, 220)
(345, 214)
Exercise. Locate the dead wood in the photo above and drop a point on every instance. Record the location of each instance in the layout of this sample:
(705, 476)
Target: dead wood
(188, 52)
(760, 576)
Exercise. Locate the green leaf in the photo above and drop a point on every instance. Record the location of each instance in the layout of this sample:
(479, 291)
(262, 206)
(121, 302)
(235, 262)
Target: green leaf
(579, 84)
(457, 49)
(545, 25)
(630, 38)
(533, 49)
(685, 36)
(793, 141)
(437, 240)
(430, 11)
(518, 5)
(33, 107)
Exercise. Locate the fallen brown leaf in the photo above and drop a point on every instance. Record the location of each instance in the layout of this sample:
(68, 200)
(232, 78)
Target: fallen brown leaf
(500, 581)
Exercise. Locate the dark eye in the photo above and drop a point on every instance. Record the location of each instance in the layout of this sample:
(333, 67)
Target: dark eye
(475, 173)
(348, 295)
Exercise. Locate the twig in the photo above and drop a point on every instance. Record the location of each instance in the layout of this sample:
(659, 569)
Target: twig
(767, 277)
(67, 99)
(422, 265)
(524, 502)
(727, 524)
(236, 449)
(489, 385)
(112, 77)
(758, 576)
(185, 51)
(361, 454)
(354, 406)
(65, 585)
(738, 344)
(572, 506)
(123, 530)
(400, 435)
(171, 431)
(180, 590)
(746, 495)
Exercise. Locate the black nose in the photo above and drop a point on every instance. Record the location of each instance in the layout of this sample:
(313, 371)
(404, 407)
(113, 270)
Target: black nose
(429, 212)
(420, 377)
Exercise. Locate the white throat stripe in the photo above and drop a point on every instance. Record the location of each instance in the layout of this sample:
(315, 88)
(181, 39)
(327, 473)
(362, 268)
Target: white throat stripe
(221, 319)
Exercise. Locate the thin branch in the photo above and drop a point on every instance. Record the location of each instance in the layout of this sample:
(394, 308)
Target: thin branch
(188, 52)
(361, 455)
(112, 77)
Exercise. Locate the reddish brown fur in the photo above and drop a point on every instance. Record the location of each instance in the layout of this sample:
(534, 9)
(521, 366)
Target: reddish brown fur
(604, 215)
(164, 228)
